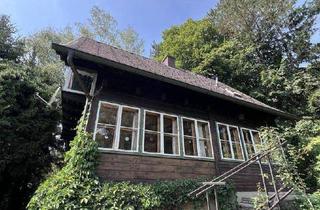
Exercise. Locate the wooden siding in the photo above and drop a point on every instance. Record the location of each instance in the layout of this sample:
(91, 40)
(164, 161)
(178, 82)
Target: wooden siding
(119, 167)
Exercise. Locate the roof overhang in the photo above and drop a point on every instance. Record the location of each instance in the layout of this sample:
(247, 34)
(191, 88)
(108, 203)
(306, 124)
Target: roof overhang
(63, 50)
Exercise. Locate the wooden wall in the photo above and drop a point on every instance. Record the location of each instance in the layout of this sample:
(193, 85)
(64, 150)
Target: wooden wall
(137, 168)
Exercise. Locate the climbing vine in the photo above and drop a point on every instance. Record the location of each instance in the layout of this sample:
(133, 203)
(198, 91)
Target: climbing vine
(76, 186)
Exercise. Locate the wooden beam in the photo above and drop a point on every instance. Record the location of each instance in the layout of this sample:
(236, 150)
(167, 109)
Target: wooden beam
(76, 73)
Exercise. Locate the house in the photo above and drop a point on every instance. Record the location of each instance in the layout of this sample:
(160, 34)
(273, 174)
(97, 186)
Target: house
(156, 122)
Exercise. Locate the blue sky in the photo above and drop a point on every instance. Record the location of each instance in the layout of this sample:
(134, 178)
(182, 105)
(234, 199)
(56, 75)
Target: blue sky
(148, 17)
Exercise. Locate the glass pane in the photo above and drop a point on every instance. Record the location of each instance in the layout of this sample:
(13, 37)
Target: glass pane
(87, 81)
(151, 142)
(105, 136)
(237, 151)
(205, 148)
(108, 114)
(234, 134)
(190, 146)
(152, 121)
(223, 133)
(250, 150)
(170, 124)
(246, 136)
(129, 118)
(256, 137)
(128, 139)
(226, 151)
(189, 127)
(171, 144)
(203, 129)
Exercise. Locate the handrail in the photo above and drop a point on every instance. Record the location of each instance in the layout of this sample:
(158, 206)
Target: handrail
(200, 190)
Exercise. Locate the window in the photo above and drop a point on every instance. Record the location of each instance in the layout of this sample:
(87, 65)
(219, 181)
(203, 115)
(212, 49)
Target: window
(196, 138)
(230, 144)
(251, 140)
(160, 133)
(88, 79)
(117, 127)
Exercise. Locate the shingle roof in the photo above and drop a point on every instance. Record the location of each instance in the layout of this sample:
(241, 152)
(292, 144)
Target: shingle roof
(184, 78)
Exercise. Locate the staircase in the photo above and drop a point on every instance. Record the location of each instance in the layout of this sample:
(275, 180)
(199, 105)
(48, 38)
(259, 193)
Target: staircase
(273, 201)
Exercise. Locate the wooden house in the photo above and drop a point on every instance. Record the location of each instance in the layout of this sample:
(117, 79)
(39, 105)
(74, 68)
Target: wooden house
(154, 121)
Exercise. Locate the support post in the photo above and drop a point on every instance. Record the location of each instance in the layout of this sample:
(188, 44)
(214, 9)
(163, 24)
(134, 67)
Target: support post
(263, 179)
(273, 181)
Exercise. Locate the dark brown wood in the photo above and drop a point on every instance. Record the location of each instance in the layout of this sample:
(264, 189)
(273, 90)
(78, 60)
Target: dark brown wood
(143, 168)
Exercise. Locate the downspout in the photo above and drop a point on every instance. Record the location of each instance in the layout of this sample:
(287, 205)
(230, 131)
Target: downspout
(76, 73)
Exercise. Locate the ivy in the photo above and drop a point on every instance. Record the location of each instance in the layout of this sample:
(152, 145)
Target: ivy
(76, 186)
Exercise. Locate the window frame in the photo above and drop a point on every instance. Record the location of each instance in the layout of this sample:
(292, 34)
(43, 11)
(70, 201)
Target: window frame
(197, 137)
(230, 142)
(117, 127)
(70, 79)
(251, 136)
(161, 132)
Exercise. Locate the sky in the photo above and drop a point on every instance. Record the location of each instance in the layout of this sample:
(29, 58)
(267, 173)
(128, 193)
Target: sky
(148, 17)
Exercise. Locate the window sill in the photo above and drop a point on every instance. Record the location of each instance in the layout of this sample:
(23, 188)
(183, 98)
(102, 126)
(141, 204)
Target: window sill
(123, 152)
(73, 91)
(241, 161)
(232, 160)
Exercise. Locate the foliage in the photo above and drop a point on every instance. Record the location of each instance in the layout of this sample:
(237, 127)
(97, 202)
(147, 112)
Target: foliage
(314, 103)
(75, 186)
(263, 49)
(103, 27)
(27, 139)
(11, 48)
(188, 43)
(302, 142)
(289, 88)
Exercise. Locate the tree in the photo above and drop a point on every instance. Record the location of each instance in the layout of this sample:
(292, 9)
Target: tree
(103, 27)
(27, 139)
(199, 47)
(11, 48)
(277, 29)
(188, 43)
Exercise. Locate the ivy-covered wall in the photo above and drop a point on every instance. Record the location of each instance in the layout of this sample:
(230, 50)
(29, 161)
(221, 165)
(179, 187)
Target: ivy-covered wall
(76, 186)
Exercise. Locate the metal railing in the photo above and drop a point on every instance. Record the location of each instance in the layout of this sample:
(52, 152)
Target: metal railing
(271, 202)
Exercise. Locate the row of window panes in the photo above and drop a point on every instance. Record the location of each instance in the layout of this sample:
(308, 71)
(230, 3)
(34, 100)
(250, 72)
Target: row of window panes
(230, 142)
(117, 129)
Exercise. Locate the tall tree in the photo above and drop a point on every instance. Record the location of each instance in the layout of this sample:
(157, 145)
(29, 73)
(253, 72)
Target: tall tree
(11, 47)
(28, 145)
(103, 27)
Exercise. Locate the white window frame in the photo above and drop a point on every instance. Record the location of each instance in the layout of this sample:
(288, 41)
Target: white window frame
(70, 79)
(162, 114)
(251, 136)
(197, 137)
(230, 142)
(115, 146)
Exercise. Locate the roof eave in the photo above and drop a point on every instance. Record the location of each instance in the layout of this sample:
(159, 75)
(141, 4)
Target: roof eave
(62, 49)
